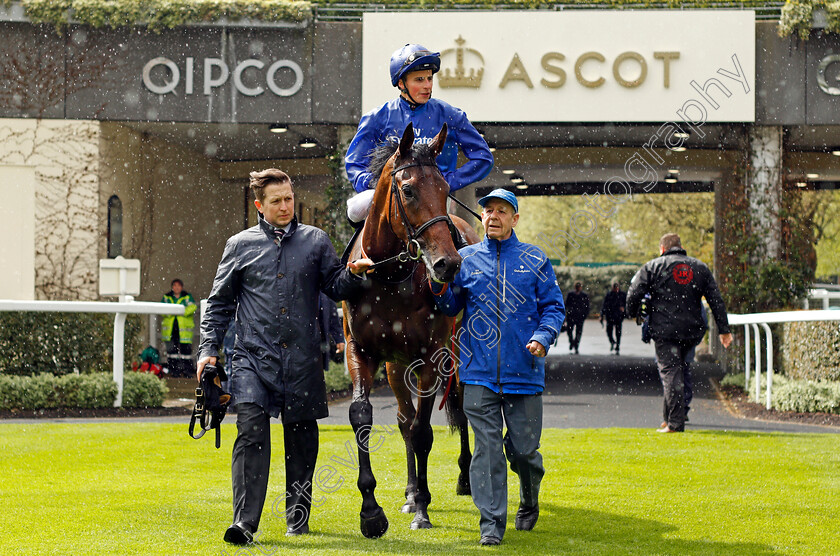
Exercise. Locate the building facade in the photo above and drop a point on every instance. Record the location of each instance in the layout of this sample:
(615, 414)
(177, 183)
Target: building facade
(136, 143)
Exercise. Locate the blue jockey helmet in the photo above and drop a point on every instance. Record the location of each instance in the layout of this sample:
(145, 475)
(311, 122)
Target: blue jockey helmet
(412, 57)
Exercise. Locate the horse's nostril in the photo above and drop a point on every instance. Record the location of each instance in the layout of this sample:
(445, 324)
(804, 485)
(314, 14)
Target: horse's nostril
(446, 269)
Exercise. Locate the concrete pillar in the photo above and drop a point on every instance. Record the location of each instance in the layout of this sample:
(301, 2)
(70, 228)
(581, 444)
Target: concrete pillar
(764, 188)
(467, 196)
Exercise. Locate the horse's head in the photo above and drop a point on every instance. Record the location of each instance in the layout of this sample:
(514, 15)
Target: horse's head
(417, 203)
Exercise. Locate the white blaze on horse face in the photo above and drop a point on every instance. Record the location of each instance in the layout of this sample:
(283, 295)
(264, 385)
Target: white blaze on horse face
(278, 204)
(499, 219)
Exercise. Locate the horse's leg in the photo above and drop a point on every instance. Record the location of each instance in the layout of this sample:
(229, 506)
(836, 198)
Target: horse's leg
(465, 457)
(373, 522)
(422, 439)
(458, 420)
(405, 416)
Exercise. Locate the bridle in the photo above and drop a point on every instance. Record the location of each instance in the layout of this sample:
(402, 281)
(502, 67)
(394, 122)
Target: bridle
(413, 233)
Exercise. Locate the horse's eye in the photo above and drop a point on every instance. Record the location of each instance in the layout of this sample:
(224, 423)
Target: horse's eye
(407, 192)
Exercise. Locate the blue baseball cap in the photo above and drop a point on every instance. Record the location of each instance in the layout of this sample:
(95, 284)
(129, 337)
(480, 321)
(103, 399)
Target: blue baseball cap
(502, 194)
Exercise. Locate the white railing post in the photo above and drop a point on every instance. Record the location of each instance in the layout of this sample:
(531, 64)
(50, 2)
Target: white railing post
(119, 355)
(757, 362)
(769, 344)
(746, 356)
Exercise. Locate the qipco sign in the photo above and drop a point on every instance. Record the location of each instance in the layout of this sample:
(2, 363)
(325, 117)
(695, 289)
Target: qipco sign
(163, 76)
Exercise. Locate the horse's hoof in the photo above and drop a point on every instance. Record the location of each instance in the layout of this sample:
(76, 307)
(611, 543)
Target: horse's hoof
(375, 526)
(408, 508)
(420, 523)
(463, 488)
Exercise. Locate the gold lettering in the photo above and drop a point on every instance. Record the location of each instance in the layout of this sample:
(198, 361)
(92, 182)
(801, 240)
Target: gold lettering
(579, 66)
(666, 58)
(547, 66)
(617, 66)
(516, 72)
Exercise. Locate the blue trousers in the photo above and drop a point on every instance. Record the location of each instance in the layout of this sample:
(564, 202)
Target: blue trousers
(488, 413)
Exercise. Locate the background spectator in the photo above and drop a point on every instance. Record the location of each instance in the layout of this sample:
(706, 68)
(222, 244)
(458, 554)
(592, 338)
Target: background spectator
(613, 310)
(177, 331)
(577, 309)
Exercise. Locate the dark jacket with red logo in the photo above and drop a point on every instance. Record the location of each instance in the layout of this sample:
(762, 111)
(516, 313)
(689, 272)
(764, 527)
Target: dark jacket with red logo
(676, 283)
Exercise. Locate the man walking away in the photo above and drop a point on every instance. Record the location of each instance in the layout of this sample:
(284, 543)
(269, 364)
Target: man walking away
(577, 309)
(612, 309)
(676, 284)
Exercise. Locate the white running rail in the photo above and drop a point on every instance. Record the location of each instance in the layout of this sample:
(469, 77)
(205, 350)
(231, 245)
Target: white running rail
(120, 309)
(754, 320)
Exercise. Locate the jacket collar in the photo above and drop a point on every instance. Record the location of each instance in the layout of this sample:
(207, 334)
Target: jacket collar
(505, 243)
(407, 105)
(674, 251)
(269, 230)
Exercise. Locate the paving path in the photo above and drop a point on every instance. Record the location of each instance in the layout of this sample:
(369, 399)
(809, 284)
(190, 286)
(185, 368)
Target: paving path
(597, 389)
(591, 390)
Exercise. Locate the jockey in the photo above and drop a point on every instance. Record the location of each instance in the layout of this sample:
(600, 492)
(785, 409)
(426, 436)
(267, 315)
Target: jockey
(412, 68)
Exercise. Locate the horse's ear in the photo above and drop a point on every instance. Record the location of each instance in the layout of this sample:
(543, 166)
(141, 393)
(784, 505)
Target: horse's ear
(407, 141)
(439, 140)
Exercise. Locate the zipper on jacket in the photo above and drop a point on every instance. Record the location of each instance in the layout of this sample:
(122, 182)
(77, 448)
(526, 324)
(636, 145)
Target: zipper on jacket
(498, 320)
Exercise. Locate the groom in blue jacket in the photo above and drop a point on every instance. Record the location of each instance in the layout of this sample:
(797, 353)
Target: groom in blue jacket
(513, 311)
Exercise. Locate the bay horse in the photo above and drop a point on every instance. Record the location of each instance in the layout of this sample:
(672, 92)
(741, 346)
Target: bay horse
(410, 237)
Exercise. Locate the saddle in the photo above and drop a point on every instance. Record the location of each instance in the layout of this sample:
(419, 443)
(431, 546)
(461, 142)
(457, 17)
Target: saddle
(211, 403)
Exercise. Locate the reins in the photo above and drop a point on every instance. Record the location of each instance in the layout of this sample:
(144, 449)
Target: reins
(468, 209)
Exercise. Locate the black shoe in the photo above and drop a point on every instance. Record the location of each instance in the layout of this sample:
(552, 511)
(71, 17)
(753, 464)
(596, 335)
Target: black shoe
(302, 530)
(490, 540)
(526, 517)
(576, 351)
(239, 533)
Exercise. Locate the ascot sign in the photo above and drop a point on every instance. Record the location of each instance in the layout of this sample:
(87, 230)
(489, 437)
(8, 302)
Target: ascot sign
(598, 66)
(216, 74)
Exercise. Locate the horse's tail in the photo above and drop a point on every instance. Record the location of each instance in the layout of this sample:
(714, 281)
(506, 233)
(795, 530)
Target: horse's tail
(454, 391)
(455, 415)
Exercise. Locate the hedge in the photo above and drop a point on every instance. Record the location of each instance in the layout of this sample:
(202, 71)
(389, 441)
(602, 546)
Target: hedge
(143, 390)
(161, 14)
(811, 350)
(795, 18)
(91, 391)
(597, 281)
(61, 343)
(801, 396)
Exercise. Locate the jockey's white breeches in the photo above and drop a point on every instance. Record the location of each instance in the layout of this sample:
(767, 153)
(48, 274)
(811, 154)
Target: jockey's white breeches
(358, 206)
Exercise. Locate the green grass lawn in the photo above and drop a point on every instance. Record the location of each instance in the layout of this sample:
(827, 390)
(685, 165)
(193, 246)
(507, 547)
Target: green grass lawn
(147, 488)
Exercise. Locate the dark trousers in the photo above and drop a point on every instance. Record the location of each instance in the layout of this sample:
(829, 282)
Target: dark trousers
(488, 413)
(251, 461)
(179, 359)
(688, 380)
(671, 361)
(614, 327)
(575, 331)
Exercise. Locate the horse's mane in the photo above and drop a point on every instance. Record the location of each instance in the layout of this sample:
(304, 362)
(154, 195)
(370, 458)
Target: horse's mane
(420, 152)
